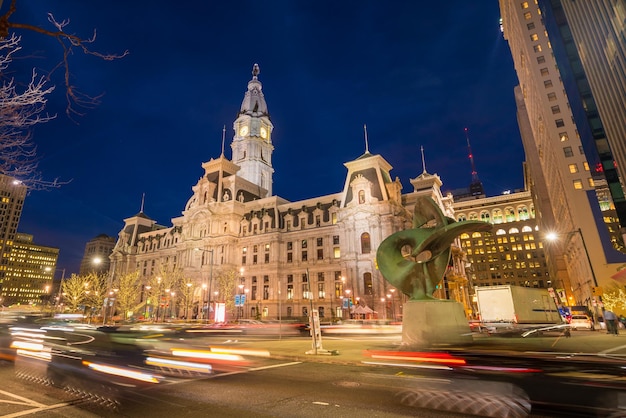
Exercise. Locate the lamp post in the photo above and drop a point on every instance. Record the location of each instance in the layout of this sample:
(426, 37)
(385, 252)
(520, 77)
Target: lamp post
(393, 303)
(208, 312)
(552, 236)
(147, 311)
(349, 302)
(188, 297)
(60, 293)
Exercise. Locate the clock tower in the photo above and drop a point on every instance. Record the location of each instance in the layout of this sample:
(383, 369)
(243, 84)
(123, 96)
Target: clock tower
(252, 144)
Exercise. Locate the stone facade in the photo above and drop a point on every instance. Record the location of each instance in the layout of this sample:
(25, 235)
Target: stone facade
(288, 257)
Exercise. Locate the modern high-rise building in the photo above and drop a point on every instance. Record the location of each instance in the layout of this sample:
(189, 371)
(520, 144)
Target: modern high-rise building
(96, 255)
(30, 272)
(287, 256)
(12, 195)
(573, 181)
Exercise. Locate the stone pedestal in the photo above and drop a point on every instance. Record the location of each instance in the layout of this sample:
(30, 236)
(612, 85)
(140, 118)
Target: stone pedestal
(427, 323)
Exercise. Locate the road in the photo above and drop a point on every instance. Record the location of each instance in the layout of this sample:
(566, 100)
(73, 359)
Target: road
(274, 387)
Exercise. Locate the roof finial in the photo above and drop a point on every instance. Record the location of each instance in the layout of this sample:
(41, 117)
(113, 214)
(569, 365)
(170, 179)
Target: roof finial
(423, 160)
(223, 139)
(143, 198)
(367, 147)
(255, 71)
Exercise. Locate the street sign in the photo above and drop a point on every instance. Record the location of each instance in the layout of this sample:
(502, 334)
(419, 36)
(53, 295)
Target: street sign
(243, 300)
(238, 300)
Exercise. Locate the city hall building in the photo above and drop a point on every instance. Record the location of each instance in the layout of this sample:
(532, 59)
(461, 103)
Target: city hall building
(287, 257)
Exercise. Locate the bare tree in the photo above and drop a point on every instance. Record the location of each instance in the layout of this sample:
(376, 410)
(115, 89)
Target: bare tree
(68, 42)
(21, 109)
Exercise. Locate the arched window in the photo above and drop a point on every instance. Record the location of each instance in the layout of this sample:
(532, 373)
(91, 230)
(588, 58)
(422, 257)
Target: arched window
(461, 218)
(500, 232)
(527, 229)
(476, 235)
(510, 214)
(465, 235)
(473, 216)
(367, 284)
(484, 216)
(522, 213)
(513, 231)
(497, 216)
(366, 247)
(361, 196)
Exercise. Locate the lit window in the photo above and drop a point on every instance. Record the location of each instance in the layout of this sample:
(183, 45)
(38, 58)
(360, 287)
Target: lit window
(537, 48)
(591, 183)
(573, 168)
(524, 5)
(559, 123)
(336, 252)
(534, 37)
(563, 136)
(547, 84)
(586, 165)
(527, 16)
(541, 59)
(578, 184)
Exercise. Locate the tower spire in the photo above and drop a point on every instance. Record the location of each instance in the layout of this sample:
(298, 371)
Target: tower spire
(476, 187)
(367, 147)
(423, 160)
(143, 198)
(223, 139)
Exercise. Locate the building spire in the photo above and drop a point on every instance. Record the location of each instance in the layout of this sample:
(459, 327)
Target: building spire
(143, 198)
(423, 160)
(367, 147)
(223, 139)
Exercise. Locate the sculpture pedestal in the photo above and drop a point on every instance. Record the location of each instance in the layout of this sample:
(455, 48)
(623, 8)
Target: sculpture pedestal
(432, 322)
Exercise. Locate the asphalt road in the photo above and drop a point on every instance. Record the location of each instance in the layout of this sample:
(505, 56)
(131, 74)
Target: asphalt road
(294, 384)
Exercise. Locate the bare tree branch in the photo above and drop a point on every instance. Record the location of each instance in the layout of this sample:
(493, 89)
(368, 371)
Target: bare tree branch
(75, 98)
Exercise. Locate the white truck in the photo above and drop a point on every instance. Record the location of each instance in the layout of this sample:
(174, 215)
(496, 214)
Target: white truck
(516, 306)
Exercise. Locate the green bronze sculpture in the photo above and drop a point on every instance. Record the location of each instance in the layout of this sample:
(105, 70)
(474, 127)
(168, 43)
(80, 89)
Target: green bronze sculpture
(418, 273)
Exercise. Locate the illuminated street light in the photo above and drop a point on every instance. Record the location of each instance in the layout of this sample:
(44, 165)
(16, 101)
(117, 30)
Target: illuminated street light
(553, 236)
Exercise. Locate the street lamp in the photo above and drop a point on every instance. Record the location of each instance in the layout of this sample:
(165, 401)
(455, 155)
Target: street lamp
(147, 312)
(208, 313)
(188, 297)
(60, 293)
(552, 236)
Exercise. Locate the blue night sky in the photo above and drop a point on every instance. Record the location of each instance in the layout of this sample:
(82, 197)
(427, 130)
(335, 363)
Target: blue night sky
(416, 75)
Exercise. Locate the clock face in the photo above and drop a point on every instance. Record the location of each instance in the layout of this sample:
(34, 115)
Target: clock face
(243, 131)
(263, 133)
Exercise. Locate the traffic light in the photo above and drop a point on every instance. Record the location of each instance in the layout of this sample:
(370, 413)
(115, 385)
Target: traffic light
(596, 291)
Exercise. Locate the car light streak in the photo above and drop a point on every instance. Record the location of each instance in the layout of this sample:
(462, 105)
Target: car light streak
(414, 366)
(208, 355)
(183, 365)
(117, 371)
(442, 358)
(27, 345)
(40, 355)
(241, 351)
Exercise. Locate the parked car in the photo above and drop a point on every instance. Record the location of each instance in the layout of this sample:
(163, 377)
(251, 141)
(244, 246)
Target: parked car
(581, 322)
